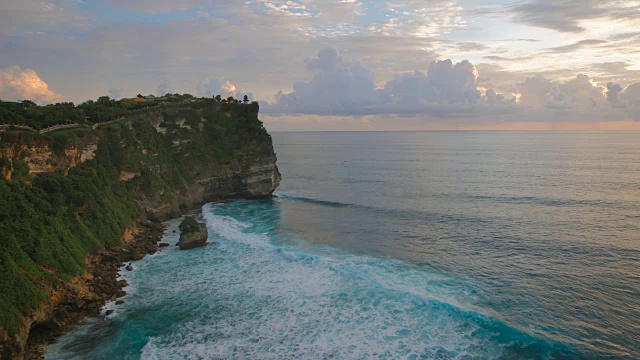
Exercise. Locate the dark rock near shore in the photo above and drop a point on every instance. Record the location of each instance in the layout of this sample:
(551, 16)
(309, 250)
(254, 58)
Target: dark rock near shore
(163, 245)
(190, 240)
(119, 302)
(129, 268)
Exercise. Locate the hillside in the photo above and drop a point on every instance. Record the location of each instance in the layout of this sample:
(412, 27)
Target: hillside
(77, 191)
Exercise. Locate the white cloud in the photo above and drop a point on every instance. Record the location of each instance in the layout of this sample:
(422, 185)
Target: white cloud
(18, 84)
(578, 93)
(448, 90)
(631, 95)
(443, 83)
(572, 15)
(338, 86)
(40, 15)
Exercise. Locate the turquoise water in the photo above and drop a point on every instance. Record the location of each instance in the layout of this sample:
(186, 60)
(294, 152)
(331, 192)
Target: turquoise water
(464, 245)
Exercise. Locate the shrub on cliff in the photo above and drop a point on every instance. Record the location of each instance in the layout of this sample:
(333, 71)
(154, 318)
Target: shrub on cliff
(48, 228)
(189, 224)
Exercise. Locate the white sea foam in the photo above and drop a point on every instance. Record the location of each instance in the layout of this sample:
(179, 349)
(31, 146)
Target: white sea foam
(246, 298)
(267, 302)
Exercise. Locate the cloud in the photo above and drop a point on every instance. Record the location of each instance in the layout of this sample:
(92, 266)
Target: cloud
(507, 59)
(570, 15)
(210, 88)
(631, 95)
(619, 72)
(444, 83)
(164, 87)
(18, 84)
(337, 86)
(421, 19)
(116, 93)
(161, 6)
(449, 90)
(587, 43)
(214, 87)
(578, 93)
(470, 46)
(613, 90)
(40, 15)
(341, 86)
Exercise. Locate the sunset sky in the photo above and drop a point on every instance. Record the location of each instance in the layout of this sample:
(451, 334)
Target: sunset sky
(340, 64)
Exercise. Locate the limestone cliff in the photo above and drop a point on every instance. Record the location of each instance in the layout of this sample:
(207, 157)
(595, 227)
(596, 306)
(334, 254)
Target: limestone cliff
(249, 173)
(89, 187)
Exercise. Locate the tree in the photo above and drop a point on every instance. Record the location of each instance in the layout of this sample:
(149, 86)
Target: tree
(230, 99)
(104, 100)
(127, 103)
(218, 98)
(139, 96)
(246, 99)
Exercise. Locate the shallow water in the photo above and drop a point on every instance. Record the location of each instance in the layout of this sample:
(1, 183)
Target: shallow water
(467, 245)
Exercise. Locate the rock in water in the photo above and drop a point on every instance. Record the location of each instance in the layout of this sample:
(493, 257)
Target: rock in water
(192, 237)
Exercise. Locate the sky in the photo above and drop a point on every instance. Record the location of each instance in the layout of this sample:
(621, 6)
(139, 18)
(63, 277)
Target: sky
(340, 64)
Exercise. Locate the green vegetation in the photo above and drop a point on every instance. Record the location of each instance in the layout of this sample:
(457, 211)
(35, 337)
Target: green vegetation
(50, 222)
(49, 227)
(27, 113)
(189, 225)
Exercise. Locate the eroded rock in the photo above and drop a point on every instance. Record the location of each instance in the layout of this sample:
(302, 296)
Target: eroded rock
(194, 239)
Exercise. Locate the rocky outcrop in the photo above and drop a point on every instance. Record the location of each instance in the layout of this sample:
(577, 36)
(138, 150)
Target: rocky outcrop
(191, 240)
(40, 157)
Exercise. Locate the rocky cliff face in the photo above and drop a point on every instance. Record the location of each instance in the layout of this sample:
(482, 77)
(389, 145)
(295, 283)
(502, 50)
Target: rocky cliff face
(40, 157)
(256, 178)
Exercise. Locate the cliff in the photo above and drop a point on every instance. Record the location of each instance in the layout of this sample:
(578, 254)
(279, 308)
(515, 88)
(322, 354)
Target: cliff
(76, 192)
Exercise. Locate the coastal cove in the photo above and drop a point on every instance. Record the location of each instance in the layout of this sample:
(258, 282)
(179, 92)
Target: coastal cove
(74, 200)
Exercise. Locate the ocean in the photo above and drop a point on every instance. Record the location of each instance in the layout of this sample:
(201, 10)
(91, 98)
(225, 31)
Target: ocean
(401, 245)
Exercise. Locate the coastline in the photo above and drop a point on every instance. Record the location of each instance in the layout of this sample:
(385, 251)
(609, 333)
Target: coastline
(86, 295)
